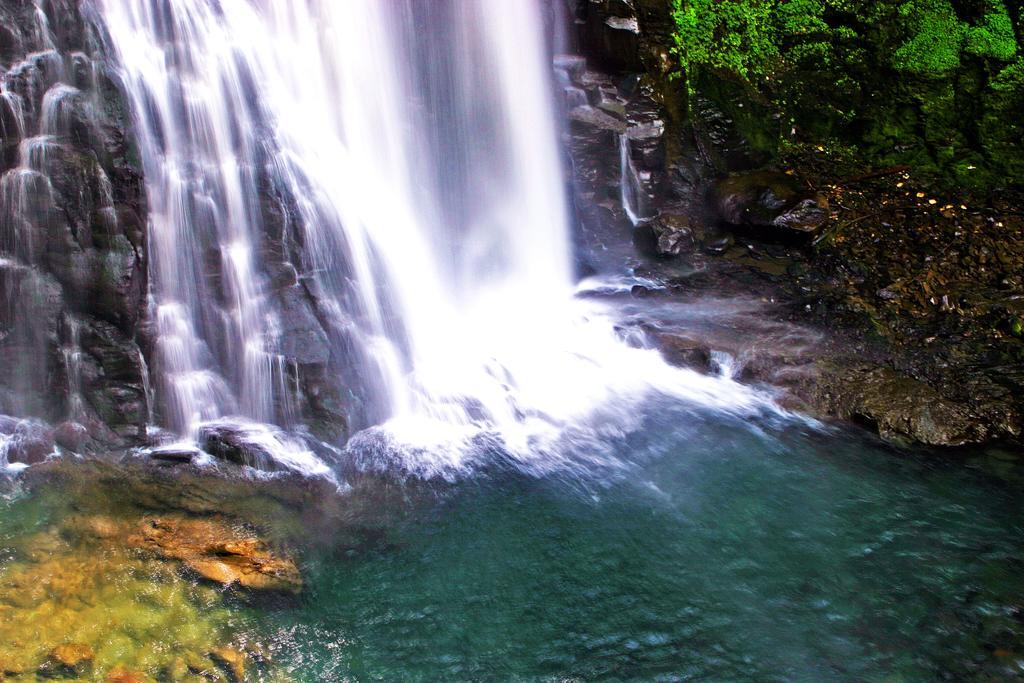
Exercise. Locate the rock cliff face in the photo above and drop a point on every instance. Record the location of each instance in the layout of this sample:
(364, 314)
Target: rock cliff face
(72, 229)
(75, 327)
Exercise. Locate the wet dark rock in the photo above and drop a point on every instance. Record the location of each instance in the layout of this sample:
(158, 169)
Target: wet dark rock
(303, 340)
(174, 454)
(902, 409)
(8, 424)
(683, 351)
(610, 34)
(71, 436)
(807, 216)
(718, 244)
(570, 67)
(10, 45)
(756, 198)
(114, 378)
(81, 242)
(668, 235)
(328, 409)
(31, 444)
(234, 443)
(592, 116)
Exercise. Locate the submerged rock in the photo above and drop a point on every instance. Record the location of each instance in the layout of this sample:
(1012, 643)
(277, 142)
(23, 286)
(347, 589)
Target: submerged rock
(230, 659)
(73, 658)
(218, 552)
(121, 674)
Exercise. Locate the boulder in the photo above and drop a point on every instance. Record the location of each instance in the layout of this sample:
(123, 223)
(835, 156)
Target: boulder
(767, 199)
(807, 216)
(30, 444)
(673, 235)
(683, 351)
(175, 454)
(236, 443)
(71, 435)
(901, 408)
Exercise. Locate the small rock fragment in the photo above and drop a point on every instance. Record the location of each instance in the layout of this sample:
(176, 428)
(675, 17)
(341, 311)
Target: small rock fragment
(230, 659)
(75, 657)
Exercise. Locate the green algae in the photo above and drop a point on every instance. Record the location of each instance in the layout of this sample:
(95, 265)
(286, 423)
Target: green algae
(83, 595)
(131, 612)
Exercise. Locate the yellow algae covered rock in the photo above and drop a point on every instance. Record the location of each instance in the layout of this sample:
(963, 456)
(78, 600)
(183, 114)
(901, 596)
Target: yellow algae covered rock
(75, 657)
(122, 675)
(218, 552)
(230, 659)
(103, 598)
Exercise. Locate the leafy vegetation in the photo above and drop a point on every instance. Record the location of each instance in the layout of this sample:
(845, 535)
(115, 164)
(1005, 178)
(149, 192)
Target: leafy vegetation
(938, 84)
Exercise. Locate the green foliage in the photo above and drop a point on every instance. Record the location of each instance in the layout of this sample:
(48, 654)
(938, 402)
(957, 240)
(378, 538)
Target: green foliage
(935, 83)
(993, 36)
(734, 37)
(936, 41)
(1001, 127)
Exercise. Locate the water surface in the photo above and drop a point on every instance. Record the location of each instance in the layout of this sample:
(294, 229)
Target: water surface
(719, 552)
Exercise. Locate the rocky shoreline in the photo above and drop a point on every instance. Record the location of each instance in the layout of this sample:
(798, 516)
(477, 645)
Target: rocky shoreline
(912, 295)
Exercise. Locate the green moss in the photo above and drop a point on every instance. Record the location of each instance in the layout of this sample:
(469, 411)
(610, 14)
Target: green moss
(924, 82)
(993, 37)
(937, 38)
(731, 37)
(1001, 128)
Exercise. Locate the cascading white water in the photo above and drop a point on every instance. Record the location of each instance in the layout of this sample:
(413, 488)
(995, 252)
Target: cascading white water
(418, 141)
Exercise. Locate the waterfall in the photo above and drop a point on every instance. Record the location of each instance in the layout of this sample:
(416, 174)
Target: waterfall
(413, 148)
(629, 182)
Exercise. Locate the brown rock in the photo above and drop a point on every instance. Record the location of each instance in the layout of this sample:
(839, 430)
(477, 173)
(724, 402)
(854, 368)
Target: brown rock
(230, 659)
(71, 435)
(98, 527)
(901, 408)
(74, 656)
(120, 674)
(218, 552)
(683, 351)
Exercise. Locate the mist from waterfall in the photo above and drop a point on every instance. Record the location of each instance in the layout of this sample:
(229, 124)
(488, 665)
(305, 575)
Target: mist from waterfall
(414, 147)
